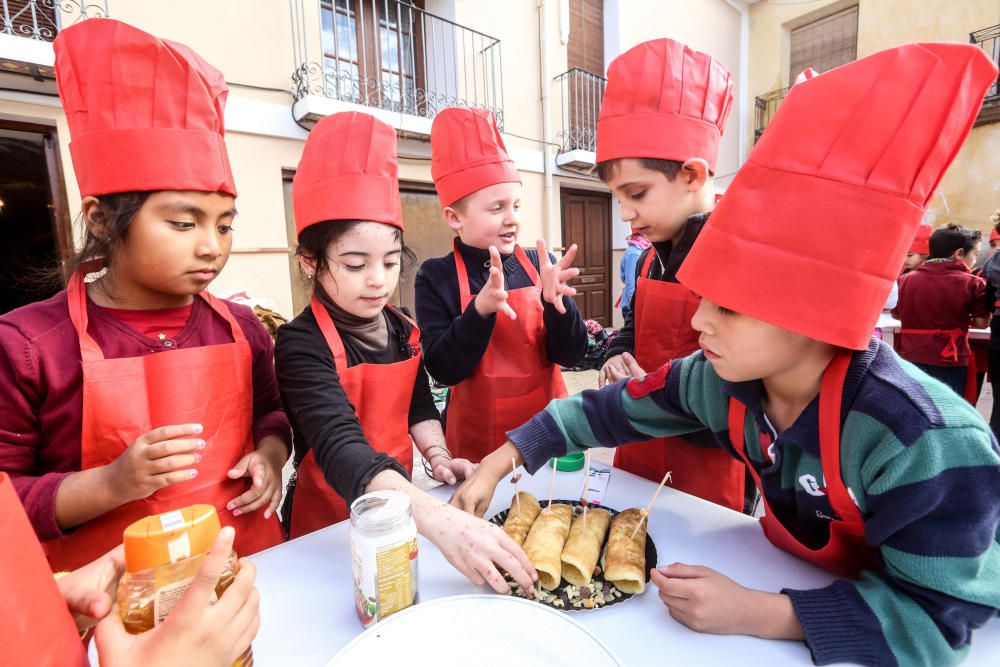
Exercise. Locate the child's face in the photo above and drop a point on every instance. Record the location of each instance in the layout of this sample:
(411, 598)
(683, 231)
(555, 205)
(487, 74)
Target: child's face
(742, 348)
(489, 217)
(174, 247)
(362, 268)
(653, 205)
(913, 260)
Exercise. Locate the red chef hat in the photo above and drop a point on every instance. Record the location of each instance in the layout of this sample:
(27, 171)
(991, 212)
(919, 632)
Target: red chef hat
(144, 113)
(664, 100)
(921, 240)
(467, 154)
(814, 226)
(348, 171)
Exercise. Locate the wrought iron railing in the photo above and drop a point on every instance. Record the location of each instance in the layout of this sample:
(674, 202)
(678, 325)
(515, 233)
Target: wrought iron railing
(989, 40)
(41, 19)
(765, 107)
(390, 54)
(580, 95)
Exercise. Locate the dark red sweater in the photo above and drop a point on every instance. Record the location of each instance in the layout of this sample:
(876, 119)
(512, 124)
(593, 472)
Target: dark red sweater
(937, 295)
(41, 399)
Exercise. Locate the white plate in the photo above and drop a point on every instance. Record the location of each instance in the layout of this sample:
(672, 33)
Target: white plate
(487, 630)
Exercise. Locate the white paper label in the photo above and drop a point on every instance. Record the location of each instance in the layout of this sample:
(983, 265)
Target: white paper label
(172, 521)
(597, 483)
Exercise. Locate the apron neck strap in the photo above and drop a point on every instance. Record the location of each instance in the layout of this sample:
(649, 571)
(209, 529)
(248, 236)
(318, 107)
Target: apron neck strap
(830, 399)
(463, 275)
(76, 294)
(648, 263)
(336, 344)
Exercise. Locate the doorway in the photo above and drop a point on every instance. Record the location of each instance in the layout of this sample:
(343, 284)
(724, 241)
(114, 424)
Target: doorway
(35, 234)
(586, 221)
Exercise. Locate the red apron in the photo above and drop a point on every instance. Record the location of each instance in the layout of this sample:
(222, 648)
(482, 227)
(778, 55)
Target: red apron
(953, 338)
(37, 628)
(123, 398)
(846, 553)
(663, 331)
(381, 395)
(512, 382)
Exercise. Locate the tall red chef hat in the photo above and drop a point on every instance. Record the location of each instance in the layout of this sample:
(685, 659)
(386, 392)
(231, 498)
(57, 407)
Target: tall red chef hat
(921, 240)
(467, 154)
(664, 100)
(814, 226)
(348, 171)
(144, 113)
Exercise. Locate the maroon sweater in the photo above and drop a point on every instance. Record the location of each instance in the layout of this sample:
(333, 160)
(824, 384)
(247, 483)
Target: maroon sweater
(937, 295)
(41, 396)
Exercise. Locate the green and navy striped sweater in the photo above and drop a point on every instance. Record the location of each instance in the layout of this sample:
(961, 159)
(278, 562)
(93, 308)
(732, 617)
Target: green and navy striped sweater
(919, 461)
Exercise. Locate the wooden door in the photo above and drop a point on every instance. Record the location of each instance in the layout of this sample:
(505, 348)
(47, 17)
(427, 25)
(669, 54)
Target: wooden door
(586, 221)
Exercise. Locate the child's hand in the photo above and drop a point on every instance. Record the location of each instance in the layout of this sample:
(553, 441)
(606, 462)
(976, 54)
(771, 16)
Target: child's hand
(475, 494)
(198, 631)
(156, 459)
(263, 466)
(90, 590)
(493, 297)
(450, 471)
(619, 367)
(556, 276)
(706, 601)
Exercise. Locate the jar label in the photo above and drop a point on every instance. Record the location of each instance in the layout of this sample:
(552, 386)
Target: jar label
(385, 579)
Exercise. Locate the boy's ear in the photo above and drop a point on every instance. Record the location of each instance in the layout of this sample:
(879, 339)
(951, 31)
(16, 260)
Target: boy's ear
(93, 218)
(451, 217)
(695, 173)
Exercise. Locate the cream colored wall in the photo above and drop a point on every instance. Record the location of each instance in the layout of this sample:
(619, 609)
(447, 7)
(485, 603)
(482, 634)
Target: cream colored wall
(970, 190)
(711, 26)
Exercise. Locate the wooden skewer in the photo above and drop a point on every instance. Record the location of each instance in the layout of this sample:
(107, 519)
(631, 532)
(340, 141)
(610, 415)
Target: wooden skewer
(586, 484)
(552, 484)
(645, 512)
(513, 477)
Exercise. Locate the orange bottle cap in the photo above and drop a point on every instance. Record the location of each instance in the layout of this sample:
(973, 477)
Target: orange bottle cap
(167, 538)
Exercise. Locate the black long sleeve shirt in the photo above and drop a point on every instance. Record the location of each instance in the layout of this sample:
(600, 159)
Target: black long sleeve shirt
(322, 416)
(671, 258)
(454, 341)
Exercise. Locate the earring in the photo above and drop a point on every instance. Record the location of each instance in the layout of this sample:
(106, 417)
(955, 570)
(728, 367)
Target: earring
(309, 275)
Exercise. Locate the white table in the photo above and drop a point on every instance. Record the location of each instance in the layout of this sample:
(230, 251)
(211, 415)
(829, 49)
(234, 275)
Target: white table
(307, 605)
(891, 326)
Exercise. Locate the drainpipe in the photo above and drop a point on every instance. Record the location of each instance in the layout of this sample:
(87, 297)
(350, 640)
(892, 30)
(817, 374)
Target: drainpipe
(549, 229)
(743, 83)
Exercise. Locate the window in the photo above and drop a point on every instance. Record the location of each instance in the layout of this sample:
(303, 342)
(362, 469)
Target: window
(826, 43)
(372, 52)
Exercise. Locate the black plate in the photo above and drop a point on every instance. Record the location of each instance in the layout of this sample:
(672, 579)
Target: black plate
(560, 592)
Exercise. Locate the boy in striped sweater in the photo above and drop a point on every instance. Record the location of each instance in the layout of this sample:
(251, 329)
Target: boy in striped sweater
(868, 467)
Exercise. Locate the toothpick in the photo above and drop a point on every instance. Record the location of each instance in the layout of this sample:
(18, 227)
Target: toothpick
(552, 484)
(645, 512)
(586, 485)
(513, 477)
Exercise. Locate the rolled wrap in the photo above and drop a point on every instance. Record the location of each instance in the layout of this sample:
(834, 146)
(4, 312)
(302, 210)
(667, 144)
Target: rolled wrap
(625, 555)
(583, 547)
(521, 516)
(545, 541)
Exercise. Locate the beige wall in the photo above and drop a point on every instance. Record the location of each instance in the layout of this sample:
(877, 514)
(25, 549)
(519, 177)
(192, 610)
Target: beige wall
(970, 190)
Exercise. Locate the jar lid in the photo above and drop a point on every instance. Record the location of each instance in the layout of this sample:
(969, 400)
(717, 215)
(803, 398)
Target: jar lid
(167, 538)
(568, 463)
(380, 511)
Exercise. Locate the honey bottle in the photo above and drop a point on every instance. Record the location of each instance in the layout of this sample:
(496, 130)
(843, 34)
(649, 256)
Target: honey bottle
(163, 553)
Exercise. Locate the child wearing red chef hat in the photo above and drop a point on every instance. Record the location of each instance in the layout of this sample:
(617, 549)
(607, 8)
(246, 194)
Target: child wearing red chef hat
(868, 467)
(134, 391)
(349, 366)
(497, 321)
(662, 116)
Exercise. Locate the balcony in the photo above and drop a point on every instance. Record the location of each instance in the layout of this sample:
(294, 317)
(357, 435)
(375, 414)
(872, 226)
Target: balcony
(27, 28)
(394, 59)
(765, 106)
(580, 95)
(989, 40)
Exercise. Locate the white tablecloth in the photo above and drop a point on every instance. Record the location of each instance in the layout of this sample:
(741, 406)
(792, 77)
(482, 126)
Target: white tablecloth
(307, 605)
